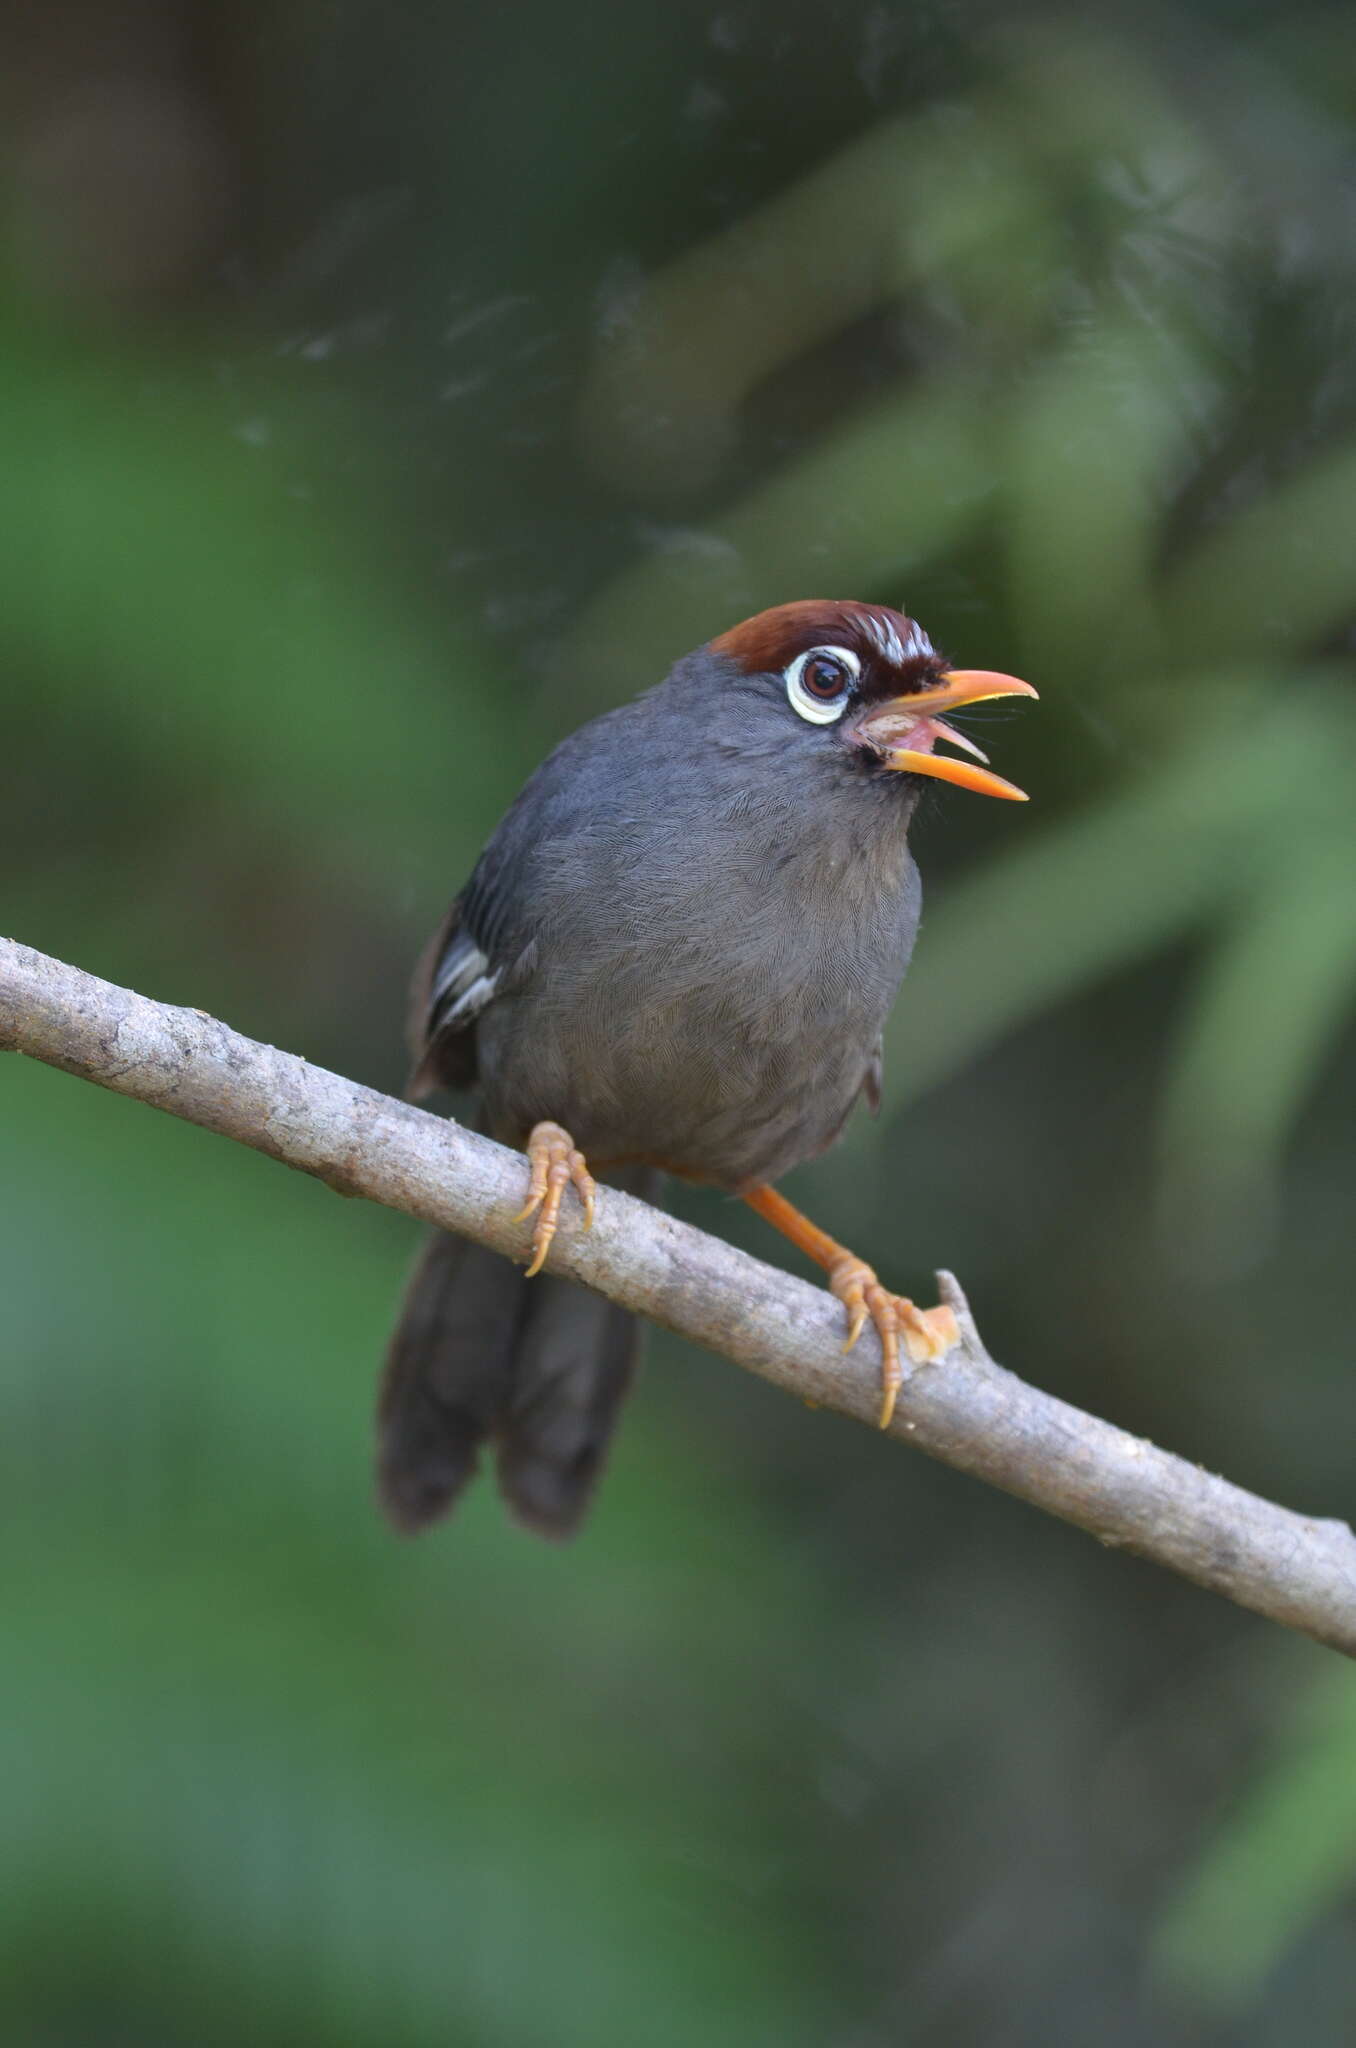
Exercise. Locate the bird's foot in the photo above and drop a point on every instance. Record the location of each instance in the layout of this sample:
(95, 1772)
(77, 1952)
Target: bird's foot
(928, 1333)
(556, 1163)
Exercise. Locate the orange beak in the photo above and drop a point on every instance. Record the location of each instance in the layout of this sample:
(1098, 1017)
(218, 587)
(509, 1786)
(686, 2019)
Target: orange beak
(904, 730)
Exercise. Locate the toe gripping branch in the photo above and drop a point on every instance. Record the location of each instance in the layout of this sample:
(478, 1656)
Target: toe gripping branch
(927, 1334)
(556, 1163)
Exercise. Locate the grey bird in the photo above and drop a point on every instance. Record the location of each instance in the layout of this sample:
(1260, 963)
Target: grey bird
(676, 955)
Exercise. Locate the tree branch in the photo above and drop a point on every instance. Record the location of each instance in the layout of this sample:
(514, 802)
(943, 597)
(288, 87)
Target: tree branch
(966, 1410)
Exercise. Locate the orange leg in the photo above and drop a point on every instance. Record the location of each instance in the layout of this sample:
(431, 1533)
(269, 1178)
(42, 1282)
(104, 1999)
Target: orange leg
(927, 1333)
(556, 1162)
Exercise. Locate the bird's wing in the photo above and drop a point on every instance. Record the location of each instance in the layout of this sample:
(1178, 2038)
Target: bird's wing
(469, 961)
(487, 944)
(450, 967)
(463, 982)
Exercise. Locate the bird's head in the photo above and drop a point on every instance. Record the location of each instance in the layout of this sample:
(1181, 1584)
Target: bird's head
(865, 685)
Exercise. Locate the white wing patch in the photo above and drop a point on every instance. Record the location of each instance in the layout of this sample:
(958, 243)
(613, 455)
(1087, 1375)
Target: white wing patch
(474, 1000)
(462, 986)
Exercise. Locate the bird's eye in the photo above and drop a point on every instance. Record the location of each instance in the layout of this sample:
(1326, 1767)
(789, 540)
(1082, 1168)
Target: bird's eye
(819, 683)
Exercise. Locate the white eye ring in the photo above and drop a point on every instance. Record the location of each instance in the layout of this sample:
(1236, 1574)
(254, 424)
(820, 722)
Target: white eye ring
(820, 710)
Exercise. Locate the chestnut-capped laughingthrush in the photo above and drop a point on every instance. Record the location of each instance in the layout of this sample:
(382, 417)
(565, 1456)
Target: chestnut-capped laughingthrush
(676, 955)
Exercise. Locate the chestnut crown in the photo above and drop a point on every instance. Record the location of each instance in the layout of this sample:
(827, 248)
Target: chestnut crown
(894, 652)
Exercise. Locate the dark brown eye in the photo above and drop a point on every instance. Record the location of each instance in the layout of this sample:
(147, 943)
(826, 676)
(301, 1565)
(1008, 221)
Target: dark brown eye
(819, 683)
(824, 675)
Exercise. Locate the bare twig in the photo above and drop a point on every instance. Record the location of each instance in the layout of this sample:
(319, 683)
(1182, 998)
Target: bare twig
(966, 1410)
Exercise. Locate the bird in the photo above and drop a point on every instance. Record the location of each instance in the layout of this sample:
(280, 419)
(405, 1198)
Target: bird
(675, 956)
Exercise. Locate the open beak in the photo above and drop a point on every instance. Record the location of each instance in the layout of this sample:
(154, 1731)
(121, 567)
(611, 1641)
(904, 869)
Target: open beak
(904, 731)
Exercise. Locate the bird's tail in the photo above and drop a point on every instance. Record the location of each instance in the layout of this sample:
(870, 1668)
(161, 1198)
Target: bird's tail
(481, 1353)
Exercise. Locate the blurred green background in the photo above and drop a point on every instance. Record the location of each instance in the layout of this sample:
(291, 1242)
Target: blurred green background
(384, 389)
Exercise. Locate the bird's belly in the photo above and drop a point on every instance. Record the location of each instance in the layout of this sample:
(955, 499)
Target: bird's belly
(709, 1087)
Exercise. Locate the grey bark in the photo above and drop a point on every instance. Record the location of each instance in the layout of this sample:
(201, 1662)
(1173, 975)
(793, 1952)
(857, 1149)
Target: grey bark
(967, 1411)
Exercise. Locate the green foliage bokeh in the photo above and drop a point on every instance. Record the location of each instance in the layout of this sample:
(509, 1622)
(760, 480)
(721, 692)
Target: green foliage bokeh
(525, 363)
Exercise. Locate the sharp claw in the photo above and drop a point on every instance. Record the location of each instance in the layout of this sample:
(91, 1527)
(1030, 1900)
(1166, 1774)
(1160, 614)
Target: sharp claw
(891, 1375)
(546, 1226)
(584, 1185)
